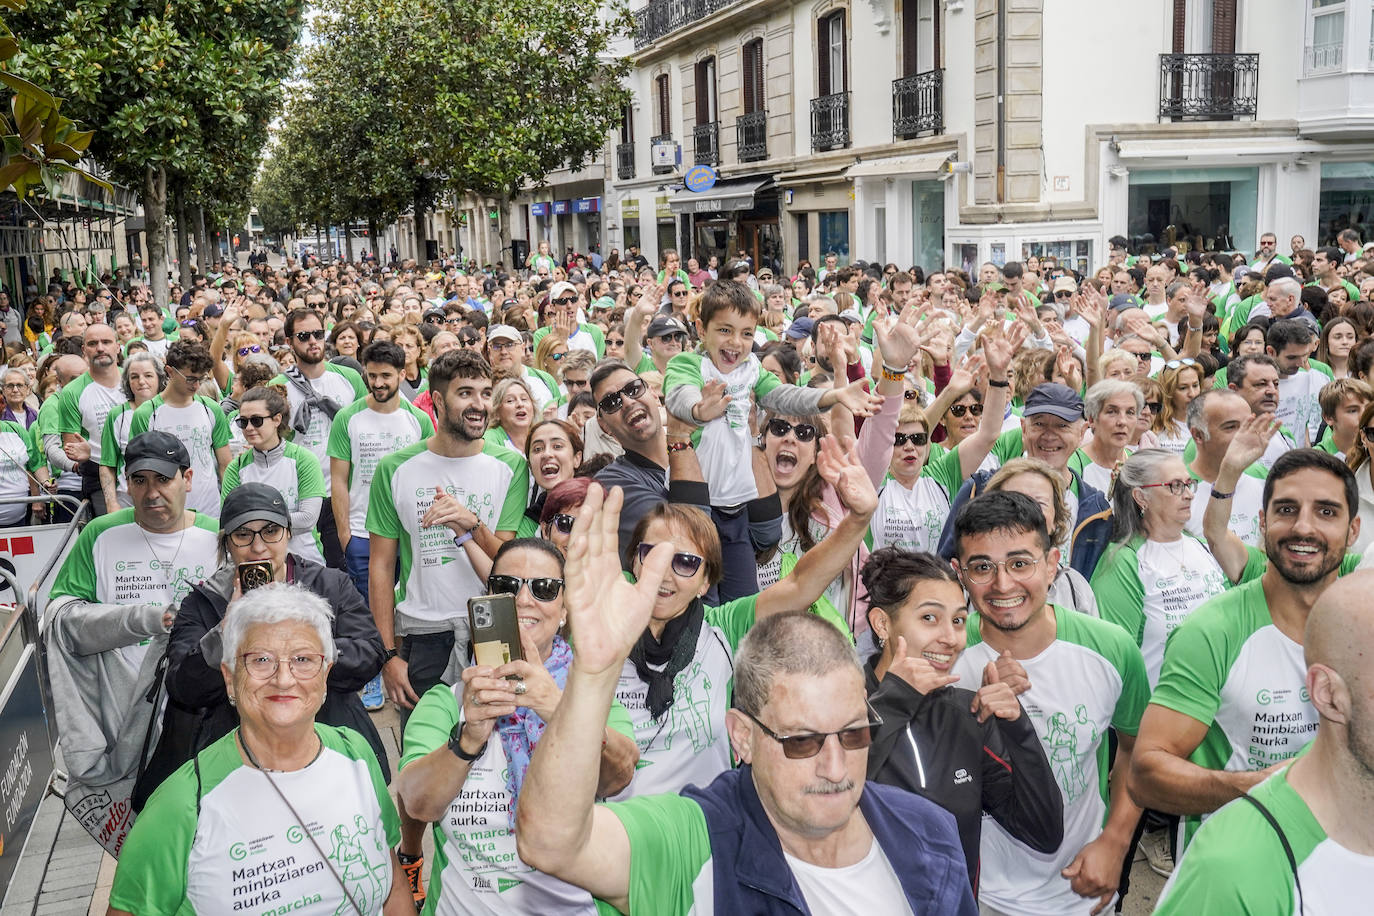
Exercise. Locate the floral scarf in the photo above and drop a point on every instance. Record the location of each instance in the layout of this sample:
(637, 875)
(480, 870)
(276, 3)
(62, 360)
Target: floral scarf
(521, 732)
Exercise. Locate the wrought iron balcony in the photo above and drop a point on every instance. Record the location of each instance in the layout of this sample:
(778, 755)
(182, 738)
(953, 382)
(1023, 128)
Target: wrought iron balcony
(918, 104)
(830, 122)
(624, 161)
(662, 17)
(751, 136)
(1208, 87)
(706, 143)
(654, 141)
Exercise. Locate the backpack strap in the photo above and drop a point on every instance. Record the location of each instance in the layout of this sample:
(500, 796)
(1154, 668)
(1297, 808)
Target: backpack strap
(1283, 840)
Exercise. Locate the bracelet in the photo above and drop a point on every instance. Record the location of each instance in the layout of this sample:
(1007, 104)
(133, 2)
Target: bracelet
(460, 540)
(993, 383)
(680, 445)
(893, 375)
(1217, 494)
(1192, 328)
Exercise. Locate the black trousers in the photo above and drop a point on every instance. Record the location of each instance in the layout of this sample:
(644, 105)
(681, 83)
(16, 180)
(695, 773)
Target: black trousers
(329, 537)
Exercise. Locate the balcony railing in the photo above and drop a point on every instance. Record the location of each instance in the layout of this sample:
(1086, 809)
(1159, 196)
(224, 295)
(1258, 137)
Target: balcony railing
(830, 122)
(706, 143)
(624, 161)
(662, 17)
(1325, 58)
(751, 136)
(918, 104)
(1208, 87)
(655, 141)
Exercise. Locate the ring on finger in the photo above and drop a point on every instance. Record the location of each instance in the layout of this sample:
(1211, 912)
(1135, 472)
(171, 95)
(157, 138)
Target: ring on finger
(520, 687)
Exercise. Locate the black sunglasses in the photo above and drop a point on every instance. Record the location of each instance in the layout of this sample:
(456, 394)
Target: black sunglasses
(960, 409)
(911, 394)
(303, 336)
(684, 564)
(1063, 294)
(1155, 406)
(803, 747)
(612, 402)
(562, 523)
(543, 589)
(566, 300)
(901, 439)
(255, 422)
(805, 432)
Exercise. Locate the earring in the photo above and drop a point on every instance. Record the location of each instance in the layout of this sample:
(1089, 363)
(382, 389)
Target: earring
(562, 623)
(233, 701)
(882, 642)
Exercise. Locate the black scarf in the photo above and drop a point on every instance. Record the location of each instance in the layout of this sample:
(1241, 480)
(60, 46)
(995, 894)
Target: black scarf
(670, 654)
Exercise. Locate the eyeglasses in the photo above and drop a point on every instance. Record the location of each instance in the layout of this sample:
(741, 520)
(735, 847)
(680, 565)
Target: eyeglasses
(804, 432)
(270, 533)
(1154, 406)
(804, 747)
(911, 394)
(244, 351)
(543, 589)
(566, 300)
(1143, 357)
(1179, 363)
(959, 410)
(303, 336)
(681, 294)
(192, 381)
(562, 523)
(684, 564)
(615, 341)
(1176, 487)
(981, 572)
(917, 439)
(263, 665)
(612, 402)
(503, 344)
(255, 422)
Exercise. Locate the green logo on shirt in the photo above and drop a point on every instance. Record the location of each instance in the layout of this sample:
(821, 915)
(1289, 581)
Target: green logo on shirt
(238, 852)
(505, 884)
(1069, 742)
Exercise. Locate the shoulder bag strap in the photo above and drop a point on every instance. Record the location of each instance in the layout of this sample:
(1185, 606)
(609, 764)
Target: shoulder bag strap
(313, 842)
(1283, 840)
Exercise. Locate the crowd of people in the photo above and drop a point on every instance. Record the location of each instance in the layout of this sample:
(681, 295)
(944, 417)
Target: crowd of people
(1068, 567)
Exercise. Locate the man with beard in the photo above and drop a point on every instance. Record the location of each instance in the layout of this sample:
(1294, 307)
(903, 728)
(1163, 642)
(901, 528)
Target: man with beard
(1086, 676)
(1231, 706)
(317, 390)
(85, 404)
(1256, 378)
(362, 434)
(1303, 840)
(427, 501)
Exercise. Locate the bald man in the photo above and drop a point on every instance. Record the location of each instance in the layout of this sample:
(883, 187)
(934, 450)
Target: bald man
(1302, 841)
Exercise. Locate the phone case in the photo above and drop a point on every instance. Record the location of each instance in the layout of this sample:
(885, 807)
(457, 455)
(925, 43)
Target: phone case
(254, 575)
(495, 630)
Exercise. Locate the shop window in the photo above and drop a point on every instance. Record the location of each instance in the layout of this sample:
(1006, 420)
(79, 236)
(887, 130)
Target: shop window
(1192, 209)
(833, 230)
(1346, 200)
(1075, 254)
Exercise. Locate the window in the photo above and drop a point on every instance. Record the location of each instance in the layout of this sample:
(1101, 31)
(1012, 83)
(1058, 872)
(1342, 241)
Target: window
(831, 54)
(627, 125)
(834, 233)
(920, 36)
(1325, 35)
(752, 76)
(664, 104)
(706, 90)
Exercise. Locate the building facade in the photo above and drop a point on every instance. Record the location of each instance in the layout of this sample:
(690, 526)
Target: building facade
(959, 131)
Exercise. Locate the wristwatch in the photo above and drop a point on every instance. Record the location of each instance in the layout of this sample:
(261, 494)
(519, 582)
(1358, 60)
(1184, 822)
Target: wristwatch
(388, 655)
(454, 737)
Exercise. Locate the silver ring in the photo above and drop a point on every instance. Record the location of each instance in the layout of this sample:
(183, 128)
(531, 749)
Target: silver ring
(520, 688)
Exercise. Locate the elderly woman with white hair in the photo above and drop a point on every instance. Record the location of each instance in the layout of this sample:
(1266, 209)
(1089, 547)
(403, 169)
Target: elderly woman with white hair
(282, 812)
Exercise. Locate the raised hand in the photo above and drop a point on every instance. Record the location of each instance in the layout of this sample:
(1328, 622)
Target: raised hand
(606, 612)
(714, 402)
(897, 337)
(966, 374)
(1090, 306)
(1250, 442)
(1000, 348)
(842, 469)
(856, 398)
(1196, 304)
(916, 670)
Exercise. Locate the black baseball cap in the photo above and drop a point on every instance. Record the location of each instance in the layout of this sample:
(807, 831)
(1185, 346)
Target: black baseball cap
(665, 327)
(1054, 399)
(158, 451)
(253, 502)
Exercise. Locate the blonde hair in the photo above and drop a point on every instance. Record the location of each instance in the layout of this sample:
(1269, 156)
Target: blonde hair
(1016, 466)
(544, 350)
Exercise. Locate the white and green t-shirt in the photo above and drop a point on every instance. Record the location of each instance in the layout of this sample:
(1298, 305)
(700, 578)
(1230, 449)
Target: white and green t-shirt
(436, 579)
(295, 474)
(835, 601)
(1149, 587)
(113, 441)
(85, 405)
(341, 385)
(203, 429)
(20, 455)
(587, 337)
(1236, 863)
(1231, 669)
(1090, 679)
(224, 841)
(913, 519)
(363, 437)
(50, 424)
(1298, 407)
(1245, 507)
(688, 745)
(477, 869)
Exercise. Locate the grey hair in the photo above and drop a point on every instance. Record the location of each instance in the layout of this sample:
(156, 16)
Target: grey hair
(771, 289)
(1136, 471)
(1197, 408)
(795, 642)
(144, 357)
(22, 373)
(278, 602)
(1102, 392)
(1172, 289)
(1287, 286)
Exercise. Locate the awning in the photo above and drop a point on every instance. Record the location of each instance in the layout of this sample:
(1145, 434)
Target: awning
(723, 196)
(924, 164)
(1227, 150)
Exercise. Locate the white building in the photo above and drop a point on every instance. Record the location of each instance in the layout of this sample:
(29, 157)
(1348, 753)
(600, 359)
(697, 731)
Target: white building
(958, 131)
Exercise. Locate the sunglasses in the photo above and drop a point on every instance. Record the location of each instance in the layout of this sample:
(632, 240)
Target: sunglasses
(1143, 357)
(303, 336)
(566, 300)
(557, 356)
(1154, 406)
(681, 294)
(612, 402)
(1179, 363)
(911, 394)
(562, 523)
(918, 439)
(1063, 294)
(244, 351)
(803, 747)
(543, 589)
(684, 564)
(255, 422)
(805, 432)
(959, 410)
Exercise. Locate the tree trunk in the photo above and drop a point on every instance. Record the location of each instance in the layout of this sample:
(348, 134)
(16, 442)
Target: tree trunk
(421, 235)
(155, 230)
(372, 239)
(503, 227)
(183, 236)
(348, 241)
(204, 262)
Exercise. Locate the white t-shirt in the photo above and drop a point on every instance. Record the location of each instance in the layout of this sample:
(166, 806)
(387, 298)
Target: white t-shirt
(1245, 509)
(337, 384)
(1096, 476)
(869, 886)
(157, 347)
(201, 427)
(1299, 409)
(1176, 579)
(1175, 438)
(911, 519)
(363, 437)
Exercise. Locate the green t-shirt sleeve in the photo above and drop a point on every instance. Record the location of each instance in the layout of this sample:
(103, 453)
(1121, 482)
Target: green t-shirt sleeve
(35, 447)
(426, 424)
(69, 412)
(946, 470)
(1008, 445)
(219, 430)
(598, 339)
(339, 445)
(517, 494)
(139, 423)
(150, 879)
(381, 510)
(77, 575)
(734, 618)
(356, 746)
(231, 476)
(110, 454)
(1195, 667)
(1120, 595)
(309, 476)
(669, 846)
(354, 379)
(1135, 686)
(683, 369)
(767, 382)
(429, 724)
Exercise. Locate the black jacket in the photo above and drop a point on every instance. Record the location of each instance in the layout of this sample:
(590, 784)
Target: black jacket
(198, 711)
(931, 744)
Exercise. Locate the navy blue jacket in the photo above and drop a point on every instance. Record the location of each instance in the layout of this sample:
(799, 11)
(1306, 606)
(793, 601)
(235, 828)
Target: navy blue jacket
(1089, 539)
(751, 876)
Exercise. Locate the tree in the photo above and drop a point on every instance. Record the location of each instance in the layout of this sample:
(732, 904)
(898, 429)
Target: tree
(183, 92)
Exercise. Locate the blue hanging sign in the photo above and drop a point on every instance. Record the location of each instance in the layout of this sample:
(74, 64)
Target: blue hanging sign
(539, 209)
(700, 178)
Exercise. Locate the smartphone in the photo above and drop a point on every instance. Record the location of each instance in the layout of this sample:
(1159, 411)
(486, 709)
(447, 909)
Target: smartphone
(254, 575)
(495, 630)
